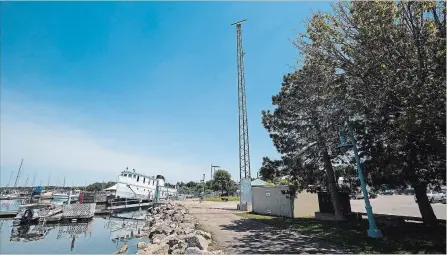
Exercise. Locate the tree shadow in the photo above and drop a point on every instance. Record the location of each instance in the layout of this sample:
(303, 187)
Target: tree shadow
(263, 238)
(350, 237)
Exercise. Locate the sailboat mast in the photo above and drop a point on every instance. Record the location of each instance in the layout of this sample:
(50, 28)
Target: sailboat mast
(49, 175)
(26, 181)
(10, 179)
(34, 179)
(18, 173)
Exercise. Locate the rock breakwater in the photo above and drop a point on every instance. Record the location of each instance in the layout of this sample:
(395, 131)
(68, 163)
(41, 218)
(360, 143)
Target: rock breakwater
(174, 231)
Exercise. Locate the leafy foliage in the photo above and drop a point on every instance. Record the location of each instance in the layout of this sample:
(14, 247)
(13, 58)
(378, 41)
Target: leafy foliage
(380, 66)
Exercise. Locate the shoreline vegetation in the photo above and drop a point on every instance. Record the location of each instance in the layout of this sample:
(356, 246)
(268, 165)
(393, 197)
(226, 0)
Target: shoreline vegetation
(220, 199)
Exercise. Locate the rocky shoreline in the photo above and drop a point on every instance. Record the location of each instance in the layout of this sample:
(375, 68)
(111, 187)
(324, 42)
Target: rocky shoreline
(172, 230)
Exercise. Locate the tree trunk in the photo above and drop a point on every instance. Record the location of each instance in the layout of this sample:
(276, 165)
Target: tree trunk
(428, 216)
(333, 190)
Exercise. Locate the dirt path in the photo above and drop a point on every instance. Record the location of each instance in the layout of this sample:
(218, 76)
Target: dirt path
(236, 235)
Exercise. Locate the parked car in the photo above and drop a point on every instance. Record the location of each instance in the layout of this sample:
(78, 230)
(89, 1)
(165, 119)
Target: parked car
(434, 197)
(372, 195)
(358, 195)
(388, 192)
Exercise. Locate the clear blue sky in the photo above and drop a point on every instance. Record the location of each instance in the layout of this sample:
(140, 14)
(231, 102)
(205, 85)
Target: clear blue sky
(89, 88)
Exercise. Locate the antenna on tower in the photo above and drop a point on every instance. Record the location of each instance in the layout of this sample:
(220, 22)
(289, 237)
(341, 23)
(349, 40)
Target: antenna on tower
(244, 149)
(18, 174)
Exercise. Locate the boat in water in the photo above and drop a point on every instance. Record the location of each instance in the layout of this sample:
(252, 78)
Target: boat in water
(9, 197)
(64, 196)
(33, 213)
(134, 185)
(45, 195)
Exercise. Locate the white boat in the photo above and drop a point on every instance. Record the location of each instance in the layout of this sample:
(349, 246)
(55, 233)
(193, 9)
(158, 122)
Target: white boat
(46, 195)
(64, 196)
(131, 184)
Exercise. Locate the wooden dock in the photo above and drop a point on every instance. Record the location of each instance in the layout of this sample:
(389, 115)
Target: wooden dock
(65, 213)
(8, 214)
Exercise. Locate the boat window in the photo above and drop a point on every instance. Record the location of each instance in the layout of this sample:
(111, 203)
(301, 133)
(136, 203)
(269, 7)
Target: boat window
(124, 175)
(144, 180)
(138, 178)
(134, 176)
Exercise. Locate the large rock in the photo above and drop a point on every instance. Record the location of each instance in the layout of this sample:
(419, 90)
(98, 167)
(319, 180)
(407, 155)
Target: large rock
(187, 218)
(204, 234)
(157, 249)
(156, 239)
(141, 245)
(197, 241)
(177, 217)
(123, 249)
(193, 250)
(142, 235)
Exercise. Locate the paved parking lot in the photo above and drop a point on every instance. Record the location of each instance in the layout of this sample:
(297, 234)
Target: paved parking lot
(397, 205)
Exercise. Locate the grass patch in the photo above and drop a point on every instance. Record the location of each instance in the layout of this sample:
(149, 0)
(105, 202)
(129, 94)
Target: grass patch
(351, 236)
(219, 199)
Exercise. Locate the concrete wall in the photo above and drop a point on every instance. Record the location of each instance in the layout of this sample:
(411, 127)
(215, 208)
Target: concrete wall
(305, 204)
(270, 201)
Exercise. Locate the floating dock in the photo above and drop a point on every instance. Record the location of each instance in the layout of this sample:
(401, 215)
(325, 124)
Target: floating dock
(65, 213)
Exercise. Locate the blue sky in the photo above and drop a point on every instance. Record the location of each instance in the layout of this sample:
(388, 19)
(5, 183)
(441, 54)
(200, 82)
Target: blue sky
(88, 88)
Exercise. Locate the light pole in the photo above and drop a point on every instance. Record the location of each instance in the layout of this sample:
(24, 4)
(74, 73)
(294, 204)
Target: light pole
(373, 231)
(212, 167)
(203, 187)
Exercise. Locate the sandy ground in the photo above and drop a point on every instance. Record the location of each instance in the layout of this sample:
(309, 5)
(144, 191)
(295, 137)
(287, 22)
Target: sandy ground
(236, 235)
(397, 205)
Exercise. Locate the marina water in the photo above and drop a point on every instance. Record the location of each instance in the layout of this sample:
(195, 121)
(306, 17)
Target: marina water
(99, 236)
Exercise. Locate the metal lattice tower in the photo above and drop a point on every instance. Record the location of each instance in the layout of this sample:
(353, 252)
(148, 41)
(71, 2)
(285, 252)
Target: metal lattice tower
(244, 149)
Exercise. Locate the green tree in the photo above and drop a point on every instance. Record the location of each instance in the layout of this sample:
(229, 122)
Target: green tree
(98, 186)
(303, 124)
(391, 60)
(269, 169)
(221, 180)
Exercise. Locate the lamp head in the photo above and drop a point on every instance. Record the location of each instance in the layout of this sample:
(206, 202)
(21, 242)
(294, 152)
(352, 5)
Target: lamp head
(343, 145)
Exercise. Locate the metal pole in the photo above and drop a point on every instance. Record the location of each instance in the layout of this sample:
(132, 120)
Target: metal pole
(373, 231)
(18, 174)
(7, 185)
(203, 188)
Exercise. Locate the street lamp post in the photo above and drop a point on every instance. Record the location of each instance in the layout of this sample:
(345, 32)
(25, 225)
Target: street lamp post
(373, 231)
(203, 188)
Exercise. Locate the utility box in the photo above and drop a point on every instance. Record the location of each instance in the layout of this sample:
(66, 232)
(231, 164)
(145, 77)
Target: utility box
(325, 202)
(284, 201)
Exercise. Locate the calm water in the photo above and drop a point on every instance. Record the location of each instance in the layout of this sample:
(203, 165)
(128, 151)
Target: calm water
(99, 236)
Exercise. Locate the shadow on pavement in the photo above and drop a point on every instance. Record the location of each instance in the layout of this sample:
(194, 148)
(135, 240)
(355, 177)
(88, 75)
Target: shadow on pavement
(282, 235)
(263, 239)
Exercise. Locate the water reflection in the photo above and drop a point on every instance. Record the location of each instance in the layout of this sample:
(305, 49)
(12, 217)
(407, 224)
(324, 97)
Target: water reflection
(9, 205)
(101, 235)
